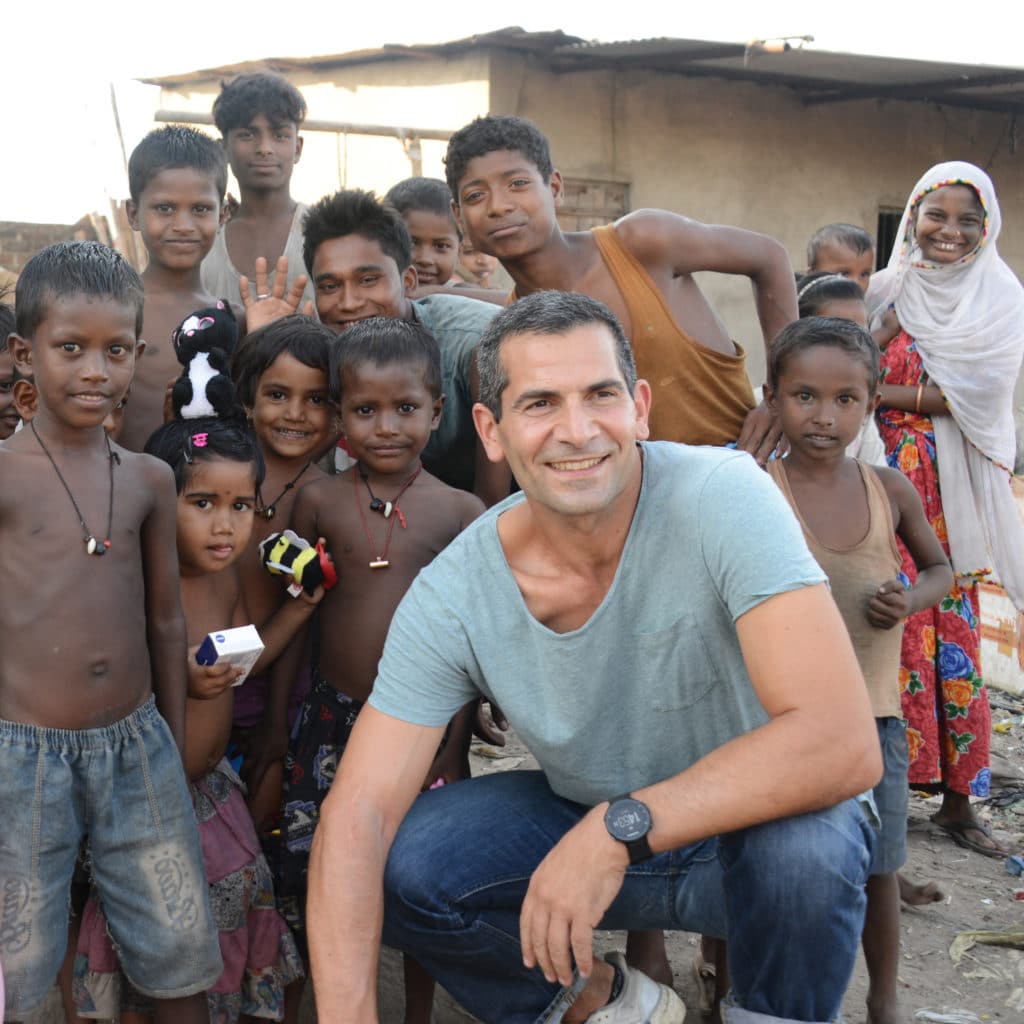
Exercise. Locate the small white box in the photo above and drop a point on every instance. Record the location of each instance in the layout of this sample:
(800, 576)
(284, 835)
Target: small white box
(240, 646)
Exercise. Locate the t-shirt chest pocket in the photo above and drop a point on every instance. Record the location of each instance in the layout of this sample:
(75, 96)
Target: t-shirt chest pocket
(673, 665)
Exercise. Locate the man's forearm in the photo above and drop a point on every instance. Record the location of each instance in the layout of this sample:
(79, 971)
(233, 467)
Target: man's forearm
(789, 766)
(344, 911)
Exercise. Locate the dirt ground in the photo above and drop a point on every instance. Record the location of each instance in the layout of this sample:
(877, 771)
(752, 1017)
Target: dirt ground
(987, 981)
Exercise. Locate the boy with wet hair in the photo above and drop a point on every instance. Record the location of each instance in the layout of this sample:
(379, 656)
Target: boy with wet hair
(176, 177)
(259, 116)
(92, 697)
(506, 194)
(842, 249)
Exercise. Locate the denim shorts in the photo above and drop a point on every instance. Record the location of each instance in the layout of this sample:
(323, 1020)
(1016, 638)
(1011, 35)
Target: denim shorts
(124, 787)
(892, 798)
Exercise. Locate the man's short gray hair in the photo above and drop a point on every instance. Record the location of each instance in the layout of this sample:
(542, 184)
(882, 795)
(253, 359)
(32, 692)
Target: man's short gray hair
(546, 312)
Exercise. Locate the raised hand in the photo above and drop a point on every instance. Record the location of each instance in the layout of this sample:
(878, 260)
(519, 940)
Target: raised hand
(265, 303)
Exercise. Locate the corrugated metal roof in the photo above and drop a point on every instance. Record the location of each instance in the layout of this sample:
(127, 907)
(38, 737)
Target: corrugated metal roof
(818, 76)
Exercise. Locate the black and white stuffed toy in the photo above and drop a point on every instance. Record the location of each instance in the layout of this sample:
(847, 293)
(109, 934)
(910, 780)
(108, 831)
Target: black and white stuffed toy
(204, 342)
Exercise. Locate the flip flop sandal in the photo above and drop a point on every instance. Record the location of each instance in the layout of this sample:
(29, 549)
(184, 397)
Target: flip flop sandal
(956, 830)
(704, 976)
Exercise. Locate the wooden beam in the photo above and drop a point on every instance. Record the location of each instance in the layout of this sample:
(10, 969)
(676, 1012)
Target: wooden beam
(334, 127)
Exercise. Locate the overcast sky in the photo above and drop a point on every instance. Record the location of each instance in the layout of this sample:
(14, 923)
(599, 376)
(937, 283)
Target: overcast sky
(61, 58)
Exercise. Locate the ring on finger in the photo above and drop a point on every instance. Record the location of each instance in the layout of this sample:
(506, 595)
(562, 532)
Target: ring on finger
(265, 295)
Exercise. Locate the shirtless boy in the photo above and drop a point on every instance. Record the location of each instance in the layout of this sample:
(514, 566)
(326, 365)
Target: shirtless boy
(176, 177)
(84, 749)
(259, 116)
(384, 519)
(506, 195)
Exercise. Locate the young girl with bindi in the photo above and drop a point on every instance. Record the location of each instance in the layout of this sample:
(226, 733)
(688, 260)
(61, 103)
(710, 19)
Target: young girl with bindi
(948, 314)
(218, 470)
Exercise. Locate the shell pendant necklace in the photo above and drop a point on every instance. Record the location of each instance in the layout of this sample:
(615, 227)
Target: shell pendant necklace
(269, 511)
(93, 545)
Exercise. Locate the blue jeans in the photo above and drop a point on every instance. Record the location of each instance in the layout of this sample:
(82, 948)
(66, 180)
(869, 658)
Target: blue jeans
(123, 786)
(788, 895)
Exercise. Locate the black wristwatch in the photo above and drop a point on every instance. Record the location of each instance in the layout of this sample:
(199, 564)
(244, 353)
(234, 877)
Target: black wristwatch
(629, 821)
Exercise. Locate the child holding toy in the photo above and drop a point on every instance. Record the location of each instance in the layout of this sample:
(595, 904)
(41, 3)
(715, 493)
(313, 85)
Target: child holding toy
(385, 519)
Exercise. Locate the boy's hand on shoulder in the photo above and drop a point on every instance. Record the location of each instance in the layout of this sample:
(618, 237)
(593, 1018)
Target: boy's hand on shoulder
(208, 681)
(761, 433)
(265, 304)
(889, 605)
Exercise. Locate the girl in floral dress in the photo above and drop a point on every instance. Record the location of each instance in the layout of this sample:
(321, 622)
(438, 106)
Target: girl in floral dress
(948, 315)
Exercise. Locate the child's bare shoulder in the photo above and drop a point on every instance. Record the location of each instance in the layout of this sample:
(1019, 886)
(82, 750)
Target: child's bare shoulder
(650, 235)
(145, 473)
(458, 507)
(895, 483)
(901, 493)
(319, 485)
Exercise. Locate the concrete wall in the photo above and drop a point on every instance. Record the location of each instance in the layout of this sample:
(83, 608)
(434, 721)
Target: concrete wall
(754, 156)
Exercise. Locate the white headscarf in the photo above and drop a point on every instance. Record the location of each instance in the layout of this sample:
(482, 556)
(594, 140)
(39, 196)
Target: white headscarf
(967, 319)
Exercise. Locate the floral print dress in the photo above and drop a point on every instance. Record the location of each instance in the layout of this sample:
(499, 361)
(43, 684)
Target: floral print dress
(943, 694)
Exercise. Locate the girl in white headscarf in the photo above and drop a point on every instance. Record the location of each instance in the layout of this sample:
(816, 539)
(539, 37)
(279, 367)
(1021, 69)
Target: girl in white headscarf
(949, 316)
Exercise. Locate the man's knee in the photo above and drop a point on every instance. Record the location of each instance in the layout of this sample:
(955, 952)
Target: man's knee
(806, 858)
(482, 834)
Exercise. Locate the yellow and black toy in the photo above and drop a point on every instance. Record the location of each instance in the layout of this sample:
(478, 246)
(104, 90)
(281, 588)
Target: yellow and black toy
(288, 554)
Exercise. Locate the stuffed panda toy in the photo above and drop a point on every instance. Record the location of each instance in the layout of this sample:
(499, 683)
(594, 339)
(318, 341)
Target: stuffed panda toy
(204, 342)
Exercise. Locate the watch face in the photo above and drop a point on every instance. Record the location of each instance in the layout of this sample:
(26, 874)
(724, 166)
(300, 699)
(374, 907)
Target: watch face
(628, 820)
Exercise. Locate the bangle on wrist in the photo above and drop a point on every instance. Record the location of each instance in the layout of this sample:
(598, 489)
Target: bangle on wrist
(917, 401)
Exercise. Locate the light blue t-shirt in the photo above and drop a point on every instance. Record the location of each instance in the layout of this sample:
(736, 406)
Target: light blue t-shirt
(457, 322)
(655, 679)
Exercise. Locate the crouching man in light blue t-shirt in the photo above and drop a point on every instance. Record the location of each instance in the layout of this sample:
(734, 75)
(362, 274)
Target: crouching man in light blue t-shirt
(650, 620)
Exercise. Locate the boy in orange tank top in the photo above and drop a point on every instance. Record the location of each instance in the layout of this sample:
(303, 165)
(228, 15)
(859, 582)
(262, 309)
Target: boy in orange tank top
(506, 195)
(823, 382)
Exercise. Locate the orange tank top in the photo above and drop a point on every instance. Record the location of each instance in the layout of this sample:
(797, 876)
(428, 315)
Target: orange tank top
(854, 574)
(699, 396)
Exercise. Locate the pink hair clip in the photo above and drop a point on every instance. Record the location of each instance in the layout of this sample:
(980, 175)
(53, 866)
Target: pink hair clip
(199, 440)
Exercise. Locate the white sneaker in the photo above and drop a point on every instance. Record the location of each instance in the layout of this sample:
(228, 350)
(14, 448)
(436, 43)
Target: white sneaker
(641, 1001)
